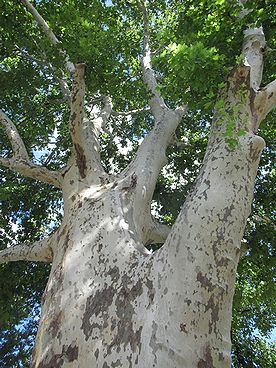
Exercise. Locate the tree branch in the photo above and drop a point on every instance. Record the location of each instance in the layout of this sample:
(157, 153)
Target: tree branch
(158, 232)
(85, 131)
(29, 169)
(143, 171)
(49, 33)
(61, 81)
(157, 103)
(265, 100)
(253, 50)
(129, 113)
(20, 161)
(39, 251)
(18, 146)
(145, 168)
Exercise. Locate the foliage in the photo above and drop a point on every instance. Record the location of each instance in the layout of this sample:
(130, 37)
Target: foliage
(197, 43)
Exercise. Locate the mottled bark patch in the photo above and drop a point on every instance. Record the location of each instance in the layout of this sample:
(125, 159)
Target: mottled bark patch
(151, 291)
(213, 305)
(116, 364)
(71, 352)
(55, 324)
(114, 273)
(56, 361)
(207, 361)
(126, 334)
(95, 305)
(205, 282)
(254, 152)
(81, 160)
(241, 78)
(153, 344)
(61, 232)
(228, 212)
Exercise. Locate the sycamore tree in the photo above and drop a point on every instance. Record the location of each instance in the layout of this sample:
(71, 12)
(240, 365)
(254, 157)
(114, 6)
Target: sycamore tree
(109, 179)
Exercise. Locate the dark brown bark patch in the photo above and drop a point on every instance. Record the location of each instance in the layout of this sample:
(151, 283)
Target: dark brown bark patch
(205, 282)
(126, 334)
(61, 232)
(72, 352)
(55, 324)
(151, 291)
(81, 160)
(214, 306)
(96, 304)
(56, 361)
(241, 78)
(183, 327)
(207, 362)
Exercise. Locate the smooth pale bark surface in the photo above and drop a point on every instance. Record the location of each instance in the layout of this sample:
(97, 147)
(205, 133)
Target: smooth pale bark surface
(109, 302)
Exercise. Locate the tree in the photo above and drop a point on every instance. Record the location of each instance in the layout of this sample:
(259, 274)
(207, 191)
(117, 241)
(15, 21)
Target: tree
(109, 301)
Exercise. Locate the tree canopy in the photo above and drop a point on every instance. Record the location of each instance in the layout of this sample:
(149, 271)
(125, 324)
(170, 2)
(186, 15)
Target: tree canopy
(195, 45)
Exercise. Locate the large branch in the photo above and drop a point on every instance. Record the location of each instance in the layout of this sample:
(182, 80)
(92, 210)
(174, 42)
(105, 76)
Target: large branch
(142, 173)
(144, 170)
(29, 169)
(17, 144)
(265, 101)
(85, 130)
(39, 251)
(20, 162)
(157, 103)
(253, 50)
(70, 67)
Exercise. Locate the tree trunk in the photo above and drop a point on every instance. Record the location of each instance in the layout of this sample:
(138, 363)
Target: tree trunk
(109, 303)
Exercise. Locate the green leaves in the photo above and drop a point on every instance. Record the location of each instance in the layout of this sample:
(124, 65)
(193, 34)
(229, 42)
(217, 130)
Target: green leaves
(194, 71)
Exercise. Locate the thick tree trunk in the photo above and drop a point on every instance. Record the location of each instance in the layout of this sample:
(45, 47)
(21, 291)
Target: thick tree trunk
(109, 303)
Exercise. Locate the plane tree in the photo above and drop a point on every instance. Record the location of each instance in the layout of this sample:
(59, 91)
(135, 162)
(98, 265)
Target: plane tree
(109, 179)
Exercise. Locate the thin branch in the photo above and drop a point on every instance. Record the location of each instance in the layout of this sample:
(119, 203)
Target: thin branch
(20, 162)
(29, 169)
(265, 220)
(104, 114)
(49, 33)
(156, 102)
(39, 251)
(129, 113)
(62, 80)
(18, 146)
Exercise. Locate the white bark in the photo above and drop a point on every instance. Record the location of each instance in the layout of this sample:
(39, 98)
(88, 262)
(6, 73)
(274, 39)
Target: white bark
(16, 141)
(29, 169)
(253, 49)
(20, 162)
(70, 67)
(157, 102)
(38, 251)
